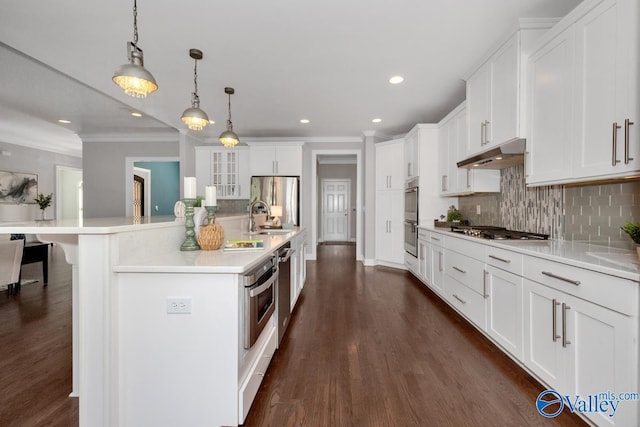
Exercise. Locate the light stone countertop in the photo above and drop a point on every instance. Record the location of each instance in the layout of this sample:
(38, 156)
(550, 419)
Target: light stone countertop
(608, 260)
(164, 256)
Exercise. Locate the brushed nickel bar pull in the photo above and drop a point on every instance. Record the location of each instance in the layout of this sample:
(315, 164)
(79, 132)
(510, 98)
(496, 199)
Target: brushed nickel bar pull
(486, 132)
(564, 279)
(468, 180)
(443, 189)
(439, 261)
(627, 123)
(482, 133)
(508, 261)
(565, 341)
(435, 238)
(459, 269)
(459, 299)
(614, 140)
(484, 284)
(554, 318)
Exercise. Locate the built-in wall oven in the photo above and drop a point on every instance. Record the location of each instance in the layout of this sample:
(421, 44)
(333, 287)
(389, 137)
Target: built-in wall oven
(259, 299)
(411, 217)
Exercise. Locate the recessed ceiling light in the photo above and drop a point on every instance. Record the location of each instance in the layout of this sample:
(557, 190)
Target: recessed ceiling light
(376, 120)
(66, 122)
(396, 79)
(211, 122)
(498, 158)
(136, 114)
(304, 121)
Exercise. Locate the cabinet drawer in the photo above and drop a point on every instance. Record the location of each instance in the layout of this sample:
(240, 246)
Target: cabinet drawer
(504, 260)
(467, 247)
(249, 387)
(468, 271)
(437, 239)
(467, 302)
(423, 234)
(608, 291)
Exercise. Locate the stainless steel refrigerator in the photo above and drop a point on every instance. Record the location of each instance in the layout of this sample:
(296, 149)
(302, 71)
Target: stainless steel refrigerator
(280, 191)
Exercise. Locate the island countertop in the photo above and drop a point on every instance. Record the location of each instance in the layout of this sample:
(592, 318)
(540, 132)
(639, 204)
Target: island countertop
(152, 244)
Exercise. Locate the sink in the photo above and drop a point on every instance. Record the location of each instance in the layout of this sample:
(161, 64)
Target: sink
(279, 231)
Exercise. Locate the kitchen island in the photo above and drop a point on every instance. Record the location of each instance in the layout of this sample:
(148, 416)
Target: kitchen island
(135, 363)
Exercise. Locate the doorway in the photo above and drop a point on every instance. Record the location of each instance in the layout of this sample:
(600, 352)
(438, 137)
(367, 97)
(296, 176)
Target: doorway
(327, 164)
(335, 210)
(141, 192)
(162, 186)
(68, 193)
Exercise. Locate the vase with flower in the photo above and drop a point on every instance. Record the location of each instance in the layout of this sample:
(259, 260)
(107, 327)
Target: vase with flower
(44, 202)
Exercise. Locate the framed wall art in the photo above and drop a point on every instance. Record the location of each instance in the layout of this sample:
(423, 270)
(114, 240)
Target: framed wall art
(17, 187)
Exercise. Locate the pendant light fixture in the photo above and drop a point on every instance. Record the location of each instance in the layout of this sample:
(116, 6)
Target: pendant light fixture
(229, 138)
(194, 117)
(132, 77)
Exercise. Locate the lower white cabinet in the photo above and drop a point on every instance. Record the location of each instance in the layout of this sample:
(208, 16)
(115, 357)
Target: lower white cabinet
(503, 294)
(437, 263)
(298, 267)
(390, 227)
(574, 329)
(424, 256)
(580, 348)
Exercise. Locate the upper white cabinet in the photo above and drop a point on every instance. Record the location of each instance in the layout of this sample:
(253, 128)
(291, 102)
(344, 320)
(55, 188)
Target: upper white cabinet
(584, 122)
(389, 165)
(495, 89)
(225, 168)
(283, 159)
(412, 153)
(454, 181)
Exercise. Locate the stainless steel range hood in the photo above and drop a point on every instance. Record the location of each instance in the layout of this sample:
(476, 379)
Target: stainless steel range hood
(505, 155)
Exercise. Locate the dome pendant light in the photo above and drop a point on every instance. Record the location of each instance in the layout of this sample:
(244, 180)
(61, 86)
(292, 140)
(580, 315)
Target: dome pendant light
(132, 77)
(194, 117)
(229, 138)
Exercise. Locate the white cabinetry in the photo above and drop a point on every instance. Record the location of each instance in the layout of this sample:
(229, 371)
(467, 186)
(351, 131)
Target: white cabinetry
(390, 203)
(283, 159)
(455, 181)
(225, 168)
(412, 153)
(551, 70)
(495, 90)
(437, 263)
(389, 161)
(503, 284)
(390, 227)
(579, 338)
(585, 96)
(424, 256)
(298, 266)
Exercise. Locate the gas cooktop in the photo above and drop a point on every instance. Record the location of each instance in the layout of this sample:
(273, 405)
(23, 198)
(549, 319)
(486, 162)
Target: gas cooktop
(497, 233)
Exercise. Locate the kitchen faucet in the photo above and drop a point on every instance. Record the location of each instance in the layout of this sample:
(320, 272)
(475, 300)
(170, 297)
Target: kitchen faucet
(252, 222)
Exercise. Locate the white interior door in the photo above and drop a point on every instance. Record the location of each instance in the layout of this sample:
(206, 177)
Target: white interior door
(335, 210)
(68, 192)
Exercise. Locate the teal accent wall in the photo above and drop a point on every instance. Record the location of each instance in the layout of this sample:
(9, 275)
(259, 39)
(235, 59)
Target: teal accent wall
(165, 185)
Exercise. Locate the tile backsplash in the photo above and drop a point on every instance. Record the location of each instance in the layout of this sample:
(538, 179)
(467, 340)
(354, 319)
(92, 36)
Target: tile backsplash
(230, 207)
(595, 213)
(587, 213)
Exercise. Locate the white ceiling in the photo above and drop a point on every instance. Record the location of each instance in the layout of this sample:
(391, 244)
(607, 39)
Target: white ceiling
(325, 60)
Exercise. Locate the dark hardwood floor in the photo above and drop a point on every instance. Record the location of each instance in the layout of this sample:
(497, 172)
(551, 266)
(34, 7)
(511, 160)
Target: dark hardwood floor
(366, 347)
(35, 349)
(373, 347)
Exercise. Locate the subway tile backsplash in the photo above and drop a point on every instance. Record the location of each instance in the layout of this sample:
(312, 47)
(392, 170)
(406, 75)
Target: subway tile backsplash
(586, 213)
(595, 213)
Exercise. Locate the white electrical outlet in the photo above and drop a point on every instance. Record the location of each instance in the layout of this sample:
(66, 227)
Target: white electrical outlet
(478, 211)
(179, 305)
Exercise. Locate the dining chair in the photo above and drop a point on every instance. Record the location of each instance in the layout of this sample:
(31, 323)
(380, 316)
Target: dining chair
(10, 262)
